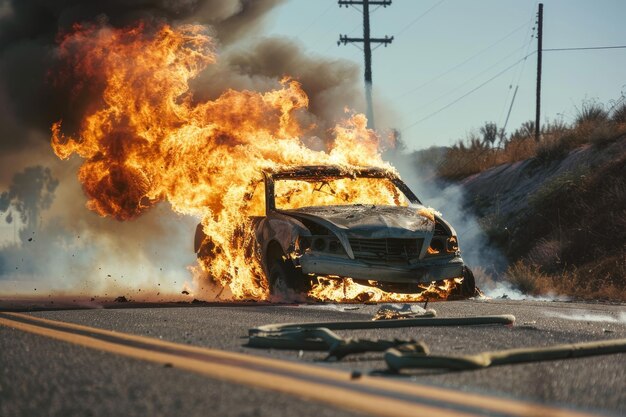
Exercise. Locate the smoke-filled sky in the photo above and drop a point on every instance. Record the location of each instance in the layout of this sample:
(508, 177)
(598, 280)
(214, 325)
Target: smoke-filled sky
(48, 238)
(420, 72)
(442, 50)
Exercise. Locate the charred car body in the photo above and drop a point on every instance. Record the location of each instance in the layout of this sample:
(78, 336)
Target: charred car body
(315, 224)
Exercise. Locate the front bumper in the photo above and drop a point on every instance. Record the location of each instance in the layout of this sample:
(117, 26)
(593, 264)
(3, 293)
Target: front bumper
(423, 271)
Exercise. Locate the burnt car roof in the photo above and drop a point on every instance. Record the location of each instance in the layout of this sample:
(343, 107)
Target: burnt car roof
(315, 172)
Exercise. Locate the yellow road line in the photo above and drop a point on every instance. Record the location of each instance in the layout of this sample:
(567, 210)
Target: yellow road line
(379, 406)
(332, 386)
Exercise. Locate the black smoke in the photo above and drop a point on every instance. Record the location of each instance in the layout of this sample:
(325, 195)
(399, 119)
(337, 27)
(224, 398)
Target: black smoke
(32, 98)
(29, 30)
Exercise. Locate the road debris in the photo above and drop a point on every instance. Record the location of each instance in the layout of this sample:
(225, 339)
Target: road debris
(402, 311)
(404, 357)
(320, 337)
(424, 321)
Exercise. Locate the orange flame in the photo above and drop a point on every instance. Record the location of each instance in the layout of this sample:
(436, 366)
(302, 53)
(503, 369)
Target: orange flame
(146, 140)
(346, 290)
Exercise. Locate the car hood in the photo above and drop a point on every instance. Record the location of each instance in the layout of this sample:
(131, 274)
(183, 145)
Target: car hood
(370, 221)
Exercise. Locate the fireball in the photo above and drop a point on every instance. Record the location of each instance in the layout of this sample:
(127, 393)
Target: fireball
(145, 139)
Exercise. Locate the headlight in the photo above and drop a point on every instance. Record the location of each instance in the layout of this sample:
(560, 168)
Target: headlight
(326, 244)
(452, 245)
(441, 245)
(436, 246)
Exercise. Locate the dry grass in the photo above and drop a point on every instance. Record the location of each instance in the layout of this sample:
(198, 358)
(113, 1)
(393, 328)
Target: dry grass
(529, 279)
(599, 280)
(593, 125)
(518, 150)
(466, 158)
(571, 239)
(618, 113)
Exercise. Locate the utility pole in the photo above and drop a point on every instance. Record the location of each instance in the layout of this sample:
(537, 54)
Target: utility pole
(539, 50)
(367, 47)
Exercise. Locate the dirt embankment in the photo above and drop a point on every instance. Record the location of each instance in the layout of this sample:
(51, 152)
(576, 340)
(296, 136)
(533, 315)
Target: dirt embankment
(560, 222)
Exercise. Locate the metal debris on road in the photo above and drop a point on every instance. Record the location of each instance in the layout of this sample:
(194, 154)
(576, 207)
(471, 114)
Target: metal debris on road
(402, 311)
(424, 321)
(319, 336)
(322, 339)
(403, 357)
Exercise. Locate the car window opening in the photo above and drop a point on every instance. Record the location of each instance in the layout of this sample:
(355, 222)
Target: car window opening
(299, 193)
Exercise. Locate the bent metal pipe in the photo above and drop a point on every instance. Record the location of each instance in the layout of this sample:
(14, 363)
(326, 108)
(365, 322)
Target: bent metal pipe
(404, 357)
(318, 336)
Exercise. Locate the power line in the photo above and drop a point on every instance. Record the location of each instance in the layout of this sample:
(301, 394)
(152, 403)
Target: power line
(349, 33)
(468, 93)
(554, 49)
(530, 35)
(467, 81)
(539, 55)
(506, 121)
(493, 78)
(406, 93)
(502, 72)
(414, 21)
(588, 48)
(315, 20)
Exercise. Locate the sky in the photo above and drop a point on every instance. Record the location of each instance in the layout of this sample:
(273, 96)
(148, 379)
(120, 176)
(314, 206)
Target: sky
(444, 49)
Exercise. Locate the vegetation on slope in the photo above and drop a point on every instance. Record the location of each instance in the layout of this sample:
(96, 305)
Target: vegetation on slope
(568, 236)
(490, 146)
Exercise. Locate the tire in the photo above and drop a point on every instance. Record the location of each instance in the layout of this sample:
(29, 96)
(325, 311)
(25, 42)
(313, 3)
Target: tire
(468, 286)
(284, 278)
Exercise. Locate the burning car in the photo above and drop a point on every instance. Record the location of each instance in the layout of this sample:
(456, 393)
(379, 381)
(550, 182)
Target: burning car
(364, 224)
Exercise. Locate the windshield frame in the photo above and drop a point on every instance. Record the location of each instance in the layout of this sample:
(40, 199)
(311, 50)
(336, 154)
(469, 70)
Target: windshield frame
(321, 173)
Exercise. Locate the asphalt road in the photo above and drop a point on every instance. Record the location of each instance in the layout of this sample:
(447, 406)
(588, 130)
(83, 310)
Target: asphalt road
(41, 376)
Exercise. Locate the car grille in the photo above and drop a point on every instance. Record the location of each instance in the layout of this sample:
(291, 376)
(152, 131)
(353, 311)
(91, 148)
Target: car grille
(386, 249)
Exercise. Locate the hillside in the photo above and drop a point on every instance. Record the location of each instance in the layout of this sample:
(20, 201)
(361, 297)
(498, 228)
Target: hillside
(560, 222)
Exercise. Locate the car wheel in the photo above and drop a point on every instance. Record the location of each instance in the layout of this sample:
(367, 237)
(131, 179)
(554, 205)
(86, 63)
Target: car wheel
(284, 277)
(468, 286)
